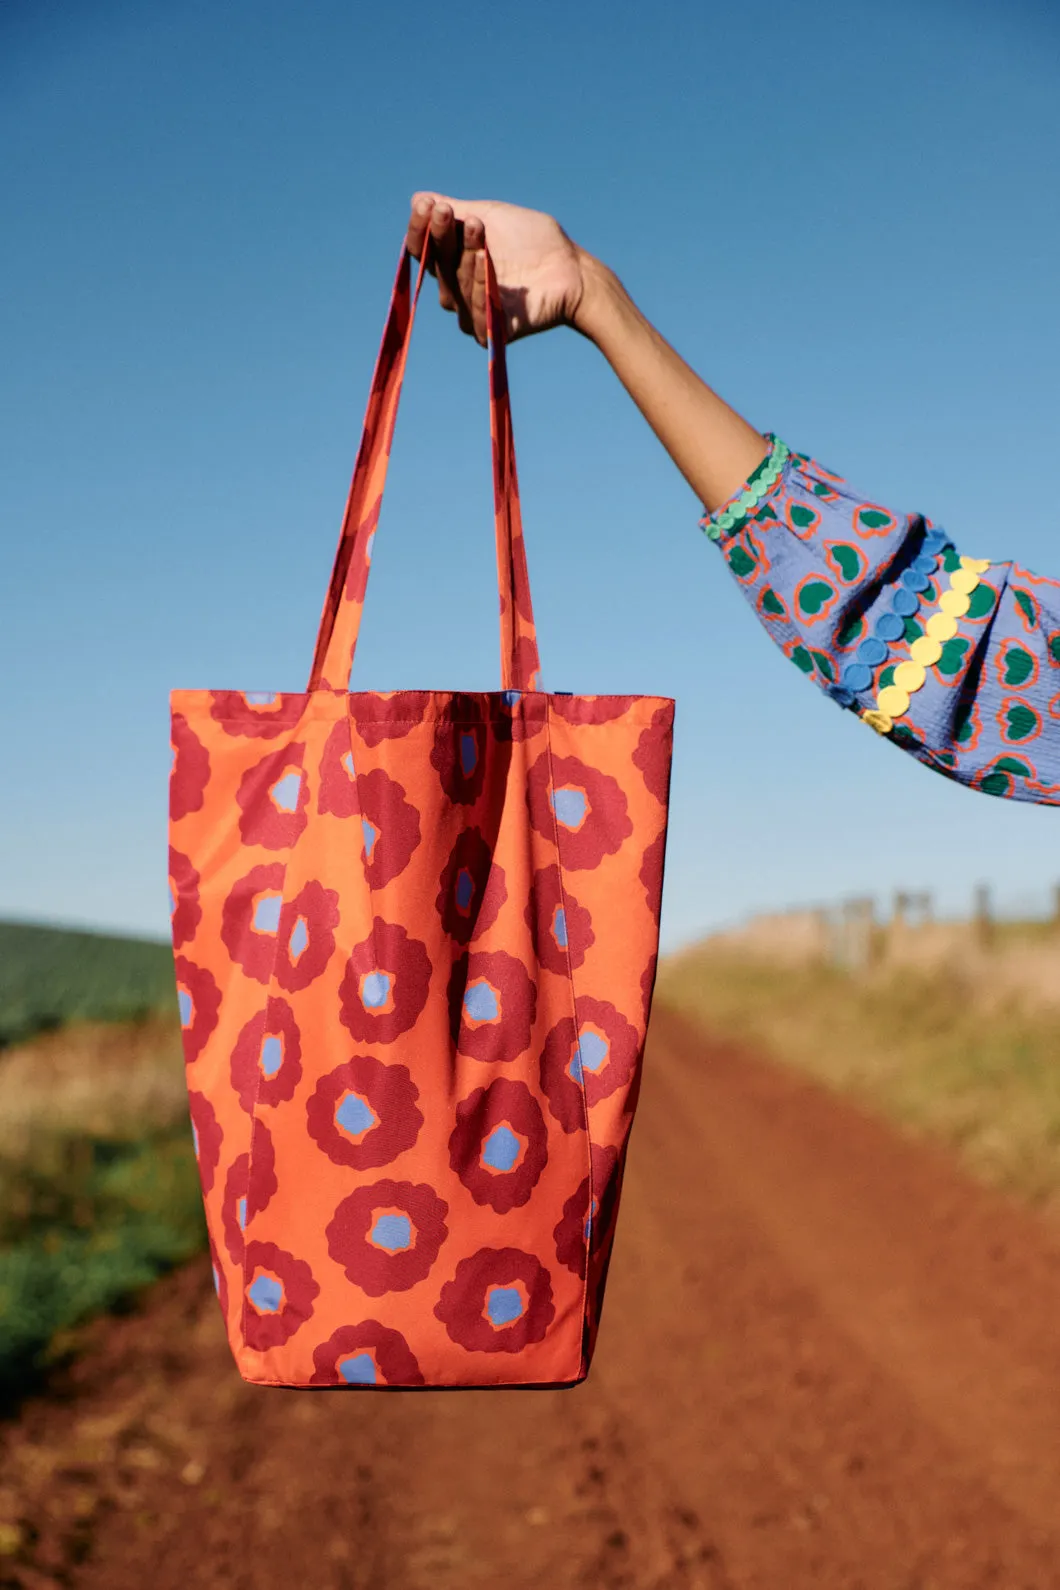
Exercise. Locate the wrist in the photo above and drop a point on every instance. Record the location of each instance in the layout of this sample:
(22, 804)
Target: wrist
(602, 301)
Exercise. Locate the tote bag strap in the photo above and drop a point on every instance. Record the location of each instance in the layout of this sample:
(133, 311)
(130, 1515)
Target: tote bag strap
(341, 618)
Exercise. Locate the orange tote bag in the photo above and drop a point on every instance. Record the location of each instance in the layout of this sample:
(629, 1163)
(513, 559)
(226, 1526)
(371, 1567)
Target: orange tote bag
(415, 938)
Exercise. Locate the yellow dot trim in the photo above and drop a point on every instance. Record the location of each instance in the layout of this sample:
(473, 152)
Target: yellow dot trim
(956, 603)
(893, 700)
(940, 626)
(926, 651)
(909, 676)
(963, 580)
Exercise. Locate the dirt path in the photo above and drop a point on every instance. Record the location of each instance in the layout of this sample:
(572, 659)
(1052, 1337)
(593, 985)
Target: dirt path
(826, 1361)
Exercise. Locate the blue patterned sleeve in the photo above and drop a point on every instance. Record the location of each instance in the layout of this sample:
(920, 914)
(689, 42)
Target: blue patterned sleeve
(954, 658)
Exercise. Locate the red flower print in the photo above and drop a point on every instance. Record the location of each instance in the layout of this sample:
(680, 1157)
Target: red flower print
(206, 1136)
(589, 709)
(385, 984)
(652, 755)
(589, 1213)
(459, 753)
(499, 1145)
(361, 561)
(514, 716)
(499, 1301)
(266, 1059)
(525, 660)
(248, 1189)
(234, 1207)
(306, 936)
(599, 1056)
(198, 1000)
(256, 715)
(585, 809)
(472, 888)
(190, 771)
(390, 826)
(220, 1283)
(364, 1114)
(250, 919)
(338, 777)
(368, 1354)
(384, 715)
(492, 1004)
(560, 927)
(651, 874)
(185, 912)
(387, 1236)
(278, 1295)
(272, 797)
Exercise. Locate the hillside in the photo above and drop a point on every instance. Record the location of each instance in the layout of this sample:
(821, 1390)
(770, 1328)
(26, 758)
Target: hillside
(51, 975)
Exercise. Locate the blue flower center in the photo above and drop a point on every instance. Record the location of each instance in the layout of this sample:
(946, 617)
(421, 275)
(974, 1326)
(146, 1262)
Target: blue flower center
(375, 990)
(285, 792)
(570, 806)
(271, 1057)
(468, 754)
(299, 939)
(354, 1115)
(392, 1232)
(267, 914)
(501, 1149)
(481, 1002)
(359, 1370)
(590, 1055)
(504, 1305)
(266, 1294)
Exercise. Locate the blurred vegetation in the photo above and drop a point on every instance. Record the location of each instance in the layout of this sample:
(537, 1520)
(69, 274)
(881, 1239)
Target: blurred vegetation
(49, 976)
(939, 1056)
(99, 1192)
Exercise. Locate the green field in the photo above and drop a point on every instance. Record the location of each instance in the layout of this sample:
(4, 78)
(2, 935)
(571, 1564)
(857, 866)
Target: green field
(49, 976)
(98, 1187)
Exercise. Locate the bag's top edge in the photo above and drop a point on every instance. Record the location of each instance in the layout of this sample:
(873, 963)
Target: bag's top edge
(413, 706)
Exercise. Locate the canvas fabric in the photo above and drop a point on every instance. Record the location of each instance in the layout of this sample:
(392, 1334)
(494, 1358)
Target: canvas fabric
(415, 937)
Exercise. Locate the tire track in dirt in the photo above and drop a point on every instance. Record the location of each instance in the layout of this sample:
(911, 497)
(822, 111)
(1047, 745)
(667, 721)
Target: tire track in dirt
(826, 1360)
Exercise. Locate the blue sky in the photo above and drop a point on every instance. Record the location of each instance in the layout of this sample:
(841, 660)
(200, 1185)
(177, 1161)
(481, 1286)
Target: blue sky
(845, 215)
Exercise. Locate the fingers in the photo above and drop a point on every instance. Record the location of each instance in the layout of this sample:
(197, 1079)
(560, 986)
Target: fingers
(419, 221)
(458, 259)
(444, 233)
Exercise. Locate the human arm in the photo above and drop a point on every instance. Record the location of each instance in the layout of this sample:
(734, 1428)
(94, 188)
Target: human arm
(958, 662)
(546, 280)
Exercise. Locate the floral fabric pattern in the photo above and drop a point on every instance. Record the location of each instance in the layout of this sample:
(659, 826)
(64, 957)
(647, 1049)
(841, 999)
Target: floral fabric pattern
(415, 936)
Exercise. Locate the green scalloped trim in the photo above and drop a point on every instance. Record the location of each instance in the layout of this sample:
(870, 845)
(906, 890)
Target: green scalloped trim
(759, 485)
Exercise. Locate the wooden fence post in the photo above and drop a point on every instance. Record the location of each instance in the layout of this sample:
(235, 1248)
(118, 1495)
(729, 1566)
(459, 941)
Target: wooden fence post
(983, 916)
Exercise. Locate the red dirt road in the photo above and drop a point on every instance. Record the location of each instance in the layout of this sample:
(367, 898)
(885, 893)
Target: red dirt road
(826, 1360)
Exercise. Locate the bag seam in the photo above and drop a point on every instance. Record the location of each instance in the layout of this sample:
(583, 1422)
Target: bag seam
(587, 1240)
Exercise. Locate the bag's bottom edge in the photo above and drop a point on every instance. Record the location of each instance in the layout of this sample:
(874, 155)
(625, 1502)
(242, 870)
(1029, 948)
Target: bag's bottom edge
(492, 1385)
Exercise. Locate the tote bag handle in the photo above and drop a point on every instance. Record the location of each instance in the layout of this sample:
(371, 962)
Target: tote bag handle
(341, 618)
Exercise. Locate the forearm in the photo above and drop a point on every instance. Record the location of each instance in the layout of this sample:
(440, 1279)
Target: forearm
(713, 447)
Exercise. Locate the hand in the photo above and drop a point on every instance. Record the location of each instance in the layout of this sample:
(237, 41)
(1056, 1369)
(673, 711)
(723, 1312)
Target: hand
(538, 268)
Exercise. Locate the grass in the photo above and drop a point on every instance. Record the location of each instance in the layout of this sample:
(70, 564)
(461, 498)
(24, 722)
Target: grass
(927, 1051)
(49, 976)
(98, 1186)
